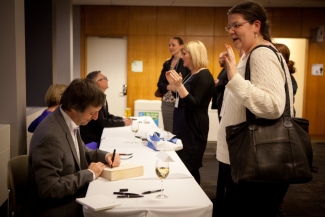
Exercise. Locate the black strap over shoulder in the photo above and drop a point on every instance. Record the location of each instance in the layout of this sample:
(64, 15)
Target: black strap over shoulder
(249, 115)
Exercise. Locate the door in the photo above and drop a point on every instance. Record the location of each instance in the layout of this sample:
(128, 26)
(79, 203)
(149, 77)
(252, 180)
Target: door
(109, 55)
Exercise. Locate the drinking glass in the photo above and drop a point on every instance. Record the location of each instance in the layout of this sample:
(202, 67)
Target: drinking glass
(127, 112)
(135, 129)
(162, 171)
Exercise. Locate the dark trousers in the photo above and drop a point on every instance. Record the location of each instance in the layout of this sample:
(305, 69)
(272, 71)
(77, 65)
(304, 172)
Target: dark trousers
(246, 199)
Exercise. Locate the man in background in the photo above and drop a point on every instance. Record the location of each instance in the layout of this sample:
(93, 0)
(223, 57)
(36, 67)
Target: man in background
(220, 84)
(92, 132)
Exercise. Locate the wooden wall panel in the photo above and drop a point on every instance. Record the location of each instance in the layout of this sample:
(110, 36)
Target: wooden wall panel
(221, 21)
(171, 21)
(141, 85)
(315, 91)
(200, 21)
(284, 25)
(106, 20)
(149, 29)
(312, 18)
(142, 21)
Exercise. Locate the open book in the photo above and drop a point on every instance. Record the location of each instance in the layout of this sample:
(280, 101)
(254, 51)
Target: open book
(98, 202)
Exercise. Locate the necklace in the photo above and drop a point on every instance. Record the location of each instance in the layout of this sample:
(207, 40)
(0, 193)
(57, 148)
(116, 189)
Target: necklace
(171, 64)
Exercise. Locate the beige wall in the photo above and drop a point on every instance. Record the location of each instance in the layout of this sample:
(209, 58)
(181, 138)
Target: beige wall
(298, 49)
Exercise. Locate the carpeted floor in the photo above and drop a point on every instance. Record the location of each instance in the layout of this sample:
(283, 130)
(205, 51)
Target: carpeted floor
(301, 200)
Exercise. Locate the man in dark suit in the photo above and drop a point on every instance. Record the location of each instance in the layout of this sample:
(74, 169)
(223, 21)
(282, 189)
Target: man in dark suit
(60, 166)
(92, 132)
(220, 85)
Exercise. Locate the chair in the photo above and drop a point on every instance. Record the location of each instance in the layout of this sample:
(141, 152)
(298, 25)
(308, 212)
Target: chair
(17, 183)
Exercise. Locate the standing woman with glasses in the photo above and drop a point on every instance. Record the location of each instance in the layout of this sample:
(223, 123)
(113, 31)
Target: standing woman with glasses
(168, 96)
(264, 95)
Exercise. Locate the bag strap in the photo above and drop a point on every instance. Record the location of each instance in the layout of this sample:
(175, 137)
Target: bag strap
(286, 114)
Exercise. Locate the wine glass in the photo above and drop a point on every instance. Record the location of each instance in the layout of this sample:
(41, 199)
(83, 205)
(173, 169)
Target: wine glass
(162, 171)
(135, 129)
(127, 112)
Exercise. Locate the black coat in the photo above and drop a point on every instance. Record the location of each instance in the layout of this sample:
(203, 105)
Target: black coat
(92, 132)
(162, 82)
(219, 90)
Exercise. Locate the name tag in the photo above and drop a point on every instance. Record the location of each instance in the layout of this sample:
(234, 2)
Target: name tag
(176, 101)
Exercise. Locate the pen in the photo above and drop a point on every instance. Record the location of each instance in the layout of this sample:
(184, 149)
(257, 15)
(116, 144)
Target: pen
(125, 193)
(125, 154)
(149, 192)
(113, 158)
(129, 196)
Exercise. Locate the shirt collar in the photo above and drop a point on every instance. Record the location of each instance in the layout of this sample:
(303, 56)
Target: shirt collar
(70, 123)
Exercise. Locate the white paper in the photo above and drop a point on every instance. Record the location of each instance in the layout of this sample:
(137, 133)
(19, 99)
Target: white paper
(137, 66)
(164, 157)
(317, 69)
(98, 202)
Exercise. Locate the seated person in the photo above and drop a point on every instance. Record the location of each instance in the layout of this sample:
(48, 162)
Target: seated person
(60, 166)
(92, 132)
(52, 100)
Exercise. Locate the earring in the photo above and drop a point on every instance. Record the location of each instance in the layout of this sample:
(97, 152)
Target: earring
(255, 35)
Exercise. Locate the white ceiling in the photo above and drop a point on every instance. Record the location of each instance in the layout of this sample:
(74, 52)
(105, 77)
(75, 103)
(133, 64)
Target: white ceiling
(203, 3)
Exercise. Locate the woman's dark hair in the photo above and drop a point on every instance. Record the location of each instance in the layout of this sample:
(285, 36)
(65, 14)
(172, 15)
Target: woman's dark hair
(284, 50)
(252, 11)
(179, 39)
(80, 94)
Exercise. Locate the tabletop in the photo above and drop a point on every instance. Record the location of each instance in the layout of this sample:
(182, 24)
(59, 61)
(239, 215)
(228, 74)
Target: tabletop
(185, 196)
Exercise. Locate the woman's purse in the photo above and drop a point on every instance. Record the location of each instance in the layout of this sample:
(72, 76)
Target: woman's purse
(263, 150)
(158, 93)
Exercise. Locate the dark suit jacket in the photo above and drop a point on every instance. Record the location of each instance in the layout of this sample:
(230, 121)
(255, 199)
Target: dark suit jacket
(56, 178)
(92, 132)
(219, 90)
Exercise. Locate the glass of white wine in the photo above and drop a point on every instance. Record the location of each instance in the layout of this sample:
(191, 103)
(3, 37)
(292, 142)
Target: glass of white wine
(162, 171)
(135, 129)
(127, 112)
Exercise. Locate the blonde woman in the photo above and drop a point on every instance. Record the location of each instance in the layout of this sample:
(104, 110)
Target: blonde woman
(52, 99)
(193, 95)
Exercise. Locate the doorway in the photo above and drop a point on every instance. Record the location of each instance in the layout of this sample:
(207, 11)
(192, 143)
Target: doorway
(109, 55)
(298, 49)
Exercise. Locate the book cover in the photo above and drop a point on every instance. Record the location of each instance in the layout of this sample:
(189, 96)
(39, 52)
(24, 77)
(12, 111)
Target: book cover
(98, 202)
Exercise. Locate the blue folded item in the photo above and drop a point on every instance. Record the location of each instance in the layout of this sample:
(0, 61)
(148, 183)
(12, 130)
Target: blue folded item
(156, 138)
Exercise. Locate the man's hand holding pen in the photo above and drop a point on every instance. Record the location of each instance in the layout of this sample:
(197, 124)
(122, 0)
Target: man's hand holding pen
(113, 162)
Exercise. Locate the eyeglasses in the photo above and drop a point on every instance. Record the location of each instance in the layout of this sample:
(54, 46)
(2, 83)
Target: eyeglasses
(104, 78)
(235, 25)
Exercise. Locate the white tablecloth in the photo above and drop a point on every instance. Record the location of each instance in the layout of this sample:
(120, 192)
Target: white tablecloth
(185, 196)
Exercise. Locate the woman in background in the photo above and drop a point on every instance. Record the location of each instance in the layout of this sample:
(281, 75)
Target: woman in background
(168, 96)
(284, 50)
(193, 96)
(52, 99)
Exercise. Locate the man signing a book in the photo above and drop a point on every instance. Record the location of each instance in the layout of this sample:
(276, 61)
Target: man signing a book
(60, 165)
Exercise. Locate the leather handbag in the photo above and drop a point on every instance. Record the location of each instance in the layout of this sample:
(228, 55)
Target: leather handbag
(263, 150)
(158, 93)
